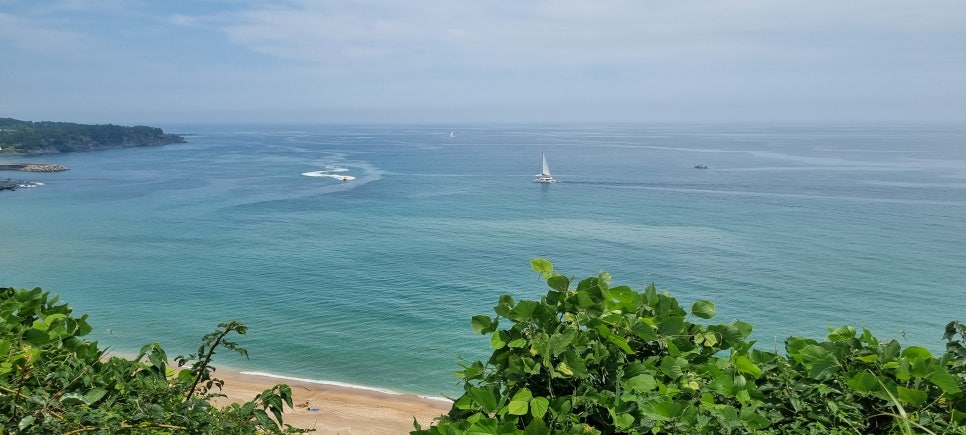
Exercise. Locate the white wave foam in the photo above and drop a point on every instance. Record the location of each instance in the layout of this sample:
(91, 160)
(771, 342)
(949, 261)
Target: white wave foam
(339, 384)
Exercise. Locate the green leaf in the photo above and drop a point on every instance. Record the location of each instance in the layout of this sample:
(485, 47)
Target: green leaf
(644, 331)
(703, 309)
(484, 426)
(744, 365)
(518, 408)
(743, 328)
(520, 403)
(942, 379)
(625, 298)
(575, 364)
(94, 395)
(753, 419)
(537, 427)
(842, 333)
(559, 283)
(26, 422)
(820, 363)
(482, 324)
(485, 398)
(499, 339)
(663, 408)
(911, 396)
(672, 367)
(641, 383)
(539, 407)
(541, 266)
(73, 399)
(864, 383)
(622, 420)
(560, 342)
(916, 353)
(523, 310)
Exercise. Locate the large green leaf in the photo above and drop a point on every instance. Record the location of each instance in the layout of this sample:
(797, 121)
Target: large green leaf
(644, 331)
(482, 324)
(575, 364)
(944, 380)
(672, 367)
(842, 333)
(864, 382)
(754, 420)
(537, 427)
(744, 365)
(560, 342)
(539, 407)
(663, 408)
(520, 403)
(523, 310)
(911, 396)
(559, 283)
(703, 309)
(624, 298)
(485, 426)
(542, 266)
(485, 397)
(641, 383)
(916, 353)
(499, 339)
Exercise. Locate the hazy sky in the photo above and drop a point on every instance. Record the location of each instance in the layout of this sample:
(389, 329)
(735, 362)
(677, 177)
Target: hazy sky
(150, 61)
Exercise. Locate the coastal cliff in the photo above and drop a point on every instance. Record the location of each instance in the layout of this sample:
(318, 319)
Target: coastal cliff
(46, 137)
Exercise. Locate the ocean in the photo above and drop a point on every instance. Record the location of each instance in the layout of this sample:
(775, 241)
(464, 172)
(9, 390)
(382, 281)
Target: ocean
(357, 254)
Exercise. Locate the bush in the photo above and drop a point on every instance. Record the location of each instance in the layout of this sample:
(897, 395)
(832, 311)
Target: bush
(54, 381)
(602, 359)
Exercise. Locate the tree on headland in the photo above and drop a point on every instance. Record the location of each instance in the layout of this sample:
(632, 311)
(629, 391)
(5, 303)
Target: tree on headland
(52, 380)
(600, 359)
(46, 137)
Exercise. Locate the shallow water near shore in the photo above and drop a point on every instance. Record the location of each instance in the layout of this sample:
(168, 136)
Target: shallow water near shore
(357, 254)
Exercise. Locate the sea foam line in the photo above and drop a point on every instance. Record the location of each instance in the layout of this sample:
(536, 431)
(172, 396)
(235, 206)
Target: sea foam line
(340, 384)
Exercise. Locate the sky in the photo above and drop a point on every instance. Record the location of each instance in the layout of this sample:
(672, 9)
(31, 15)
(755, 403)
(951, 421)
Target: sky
(453, 61)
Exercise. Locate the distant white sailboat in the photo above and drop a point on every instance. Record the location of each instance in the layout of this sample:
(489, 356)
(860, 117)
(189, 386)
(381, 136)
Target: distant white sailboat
(452, 133)
(544, 175)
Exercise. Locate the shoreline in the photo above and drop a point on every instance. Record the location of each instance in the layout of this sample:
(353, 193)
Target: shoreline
(335, 407)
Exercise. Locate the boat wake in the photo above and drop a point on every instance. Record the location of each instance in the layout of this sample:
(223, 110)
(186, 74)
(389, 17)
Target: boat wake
(334, 172)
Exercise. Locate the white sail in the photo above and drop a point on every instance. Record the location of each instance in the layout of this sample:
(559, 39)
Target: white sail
(544, 175)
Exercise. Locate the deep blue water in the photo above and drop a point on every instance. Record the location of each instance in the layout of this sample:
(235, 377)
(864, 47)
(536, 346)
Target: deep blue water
(372, 281)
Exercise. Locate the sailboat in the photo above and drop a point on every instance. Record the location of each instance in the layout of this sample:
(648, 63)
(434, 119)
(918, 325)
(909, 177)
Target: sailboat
(544, 175)
(452, 133)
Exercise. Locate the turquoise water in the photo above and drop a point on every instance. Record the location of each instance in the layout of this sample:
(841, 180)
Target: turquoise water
(373, 281)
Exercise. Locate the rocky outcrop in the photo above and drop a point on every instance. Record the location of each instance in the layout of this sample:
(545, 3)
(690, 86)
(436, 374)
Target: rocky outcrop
(33, 167)
(43, 167)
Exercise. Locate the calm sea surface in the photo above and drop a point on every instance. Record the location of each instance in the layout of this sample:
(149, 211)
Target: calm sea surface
(373, 281)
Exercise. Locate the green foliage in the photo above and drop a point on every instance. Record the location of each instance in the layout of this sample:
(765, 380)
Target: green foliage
(45, 137)
(54, 381)
(601, 359)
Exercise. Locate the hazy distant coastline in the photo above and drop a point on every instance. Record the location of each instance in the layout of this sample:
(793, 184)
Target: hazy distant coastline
(45, 137)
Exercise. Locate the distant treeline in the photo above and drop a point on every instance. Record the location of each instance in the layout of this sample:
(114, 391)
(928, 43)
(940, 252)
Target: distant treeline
(46, 137)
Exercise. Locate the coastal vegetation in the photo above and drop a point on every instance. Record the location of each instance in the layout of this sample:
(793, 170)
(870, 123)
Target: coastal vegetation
(592, 358)
(52, 380)
(587, 357)
(46, 137)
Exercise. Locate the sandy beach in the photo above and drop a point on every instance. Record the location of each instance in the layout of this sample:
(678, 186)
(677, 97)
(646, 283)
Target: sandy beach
(336, 409)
